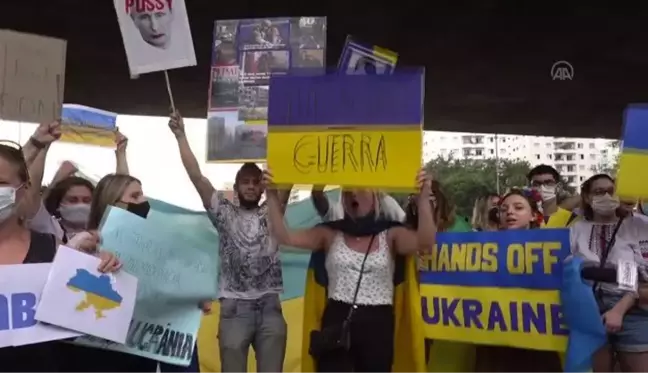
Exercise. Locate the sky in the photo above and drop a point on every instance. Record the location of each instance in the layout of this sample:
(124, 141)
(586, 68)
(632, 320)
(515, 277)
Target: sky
(153, 157)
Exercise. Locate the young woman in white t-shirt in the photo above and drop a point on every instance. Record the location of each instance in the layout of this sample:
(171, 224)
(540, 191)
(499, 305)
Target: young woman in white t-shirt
(608, 231)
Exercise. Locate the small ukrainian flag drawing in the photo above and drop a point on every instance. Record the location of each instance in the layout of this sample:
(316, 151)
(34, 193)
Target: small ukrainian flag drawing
(99, 292)
(631, 182)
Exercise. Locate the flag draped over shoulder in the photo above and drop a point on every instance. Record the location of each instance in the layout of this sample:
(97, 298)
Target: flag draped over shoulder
(409, 345)
(586, 331)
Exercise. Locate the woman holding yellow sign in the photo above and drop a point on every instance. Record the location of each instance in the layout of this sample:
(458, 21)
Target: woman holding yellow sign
(359, 325)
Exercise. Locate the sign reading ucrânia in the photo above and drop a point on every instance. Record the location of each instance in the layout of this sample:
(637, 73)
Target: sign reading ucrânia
(361, 131)
(32, 77)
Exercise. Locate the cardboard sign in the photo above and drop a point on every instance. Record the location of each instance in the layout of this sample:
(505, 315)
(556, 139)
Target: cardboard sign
(349, 130)
(33, 77)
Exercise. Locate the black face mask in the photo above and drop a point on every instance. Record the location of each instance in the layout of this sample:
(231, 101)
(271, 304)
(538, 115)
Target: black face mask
(493, 215)
(139, 209)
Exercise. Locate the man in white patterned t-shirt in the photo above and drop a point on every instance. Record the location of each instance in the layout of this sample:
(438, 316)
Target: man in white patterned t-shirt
(250, 278)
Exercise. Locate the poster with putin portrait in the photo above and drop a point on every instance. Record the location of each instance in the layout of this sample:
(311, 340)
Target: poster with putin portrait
(156, 35)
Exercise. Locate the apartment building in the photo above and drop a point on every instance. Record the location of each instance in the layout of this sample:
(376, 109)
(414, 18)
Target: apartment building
(575, 158)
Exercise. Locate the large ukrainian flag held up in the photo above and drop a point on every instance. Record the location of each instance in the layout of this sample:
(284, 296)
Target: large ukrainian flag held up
(631, 180)
(348, 130)
(496, 288)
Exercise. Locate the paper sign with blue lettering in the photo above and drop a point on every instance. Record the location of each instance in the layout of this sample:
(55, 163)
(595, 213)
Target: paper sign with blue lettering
(349, 130)
(85, 125)
(496, 288)
(20, 290)
(631, 182)
(174, 276)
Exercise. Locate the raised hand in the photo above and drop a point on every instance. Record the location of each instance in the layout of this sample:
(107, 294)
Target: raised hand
(121, 141)
(267, 181)
(424, 183)
(47, 133)
(176, 124)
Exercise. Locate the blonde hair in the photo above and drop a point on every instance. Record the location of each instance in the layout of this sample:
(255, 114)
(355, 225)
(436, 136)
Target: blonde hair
(481, 208)
(108, 192)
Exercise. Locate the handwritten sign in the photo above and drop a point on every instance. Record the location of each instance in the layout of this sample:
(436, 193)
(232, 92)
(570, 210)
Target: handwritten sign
(33, 77)
(356, 157)
(360, 131)
(174, 276)
(20, 290)
(630, 181)
(496, 288)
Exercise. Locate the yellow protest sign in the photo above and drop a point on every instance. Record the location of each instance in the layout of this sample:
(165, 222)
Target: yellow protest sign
(377, 157)
(360, 131)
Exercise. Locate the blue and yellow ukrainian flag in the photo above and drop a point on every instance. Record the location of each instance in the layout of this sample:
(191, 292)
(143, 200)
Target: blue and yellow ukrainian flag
(87, 125)
(631, 182)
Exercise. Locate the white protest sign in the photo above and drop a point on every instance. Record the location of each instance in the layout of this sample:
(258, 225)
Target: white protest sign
(32, 77)
(156, 35)
(20, 289)
(76, 296)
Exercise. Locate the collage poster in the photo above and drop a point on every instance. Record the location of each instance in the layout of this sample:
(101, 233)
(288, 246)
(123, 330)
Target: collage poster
(245, 53)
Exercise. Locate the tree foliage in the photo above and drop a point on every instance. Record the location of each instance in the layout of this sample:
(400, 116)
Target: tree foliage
(464, 180)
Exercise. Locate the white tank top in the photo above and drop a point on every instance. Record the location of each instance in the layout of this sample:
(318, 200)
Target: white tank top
(343, 266)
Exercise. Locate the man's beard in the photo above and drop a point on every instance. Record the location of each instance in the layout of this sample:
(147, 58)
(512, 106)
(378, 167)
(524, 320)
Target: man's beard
(247, 204)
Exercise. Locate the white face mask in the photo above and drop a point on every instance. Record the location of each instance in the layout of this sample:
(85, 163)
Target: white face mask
(76, 213)
(605, 205)
(547, 193)
(7, 202)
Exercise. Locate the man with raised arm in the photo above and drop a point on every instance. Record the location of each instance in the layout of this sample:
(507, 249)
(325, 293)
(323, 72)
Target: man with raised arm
(250, 278)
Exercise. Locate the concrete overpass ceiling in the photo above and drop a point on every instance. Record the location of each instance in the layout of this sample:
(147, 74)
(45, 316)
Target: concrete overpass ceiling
(488, 62)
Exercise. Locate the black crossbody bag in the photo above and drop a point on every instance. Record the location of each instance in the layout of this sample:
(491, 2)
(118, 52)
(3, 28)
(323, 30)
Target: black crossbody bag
(337, 337)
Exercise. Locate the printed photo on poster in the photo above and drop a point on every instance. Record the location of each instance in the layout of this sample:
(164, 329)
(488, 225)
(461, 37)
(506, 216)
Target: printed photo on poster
(260, 47)
(264, 33)
(225, 51)
(253, 103)
(308, 32)
(229, 139)
(258, 65)
(308, 58)
(156, 34)
(357, 58)
(224, 88)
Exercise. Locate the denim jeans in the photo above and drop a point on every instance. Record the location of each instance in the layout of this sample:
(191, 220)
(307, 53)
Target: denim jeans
(258, 323)
(194, 366)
